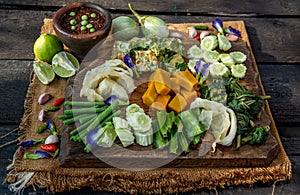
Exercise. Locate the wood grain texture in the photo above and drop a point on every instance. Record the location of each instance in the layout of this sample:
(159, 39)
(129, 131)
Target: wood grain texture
(191, 7)
(270, 43)
(15, 77)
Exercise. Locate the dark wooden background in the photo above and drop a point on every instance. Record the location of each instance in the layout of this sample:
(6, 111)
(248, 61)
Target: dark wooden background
(273, 28)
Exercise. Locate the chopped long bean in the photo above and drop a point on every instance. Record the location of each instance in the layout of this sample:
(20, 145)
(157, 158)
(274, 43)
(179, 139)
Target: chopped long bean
(84, 104)
(85, 110)
(74, 119)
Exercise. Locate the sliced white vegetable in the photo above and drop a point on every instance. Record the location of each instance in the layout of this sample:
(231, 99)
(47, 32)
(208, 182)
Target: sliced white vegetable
(218, 70)
(209, 42)
(238, 57)
(226, 59)
(194, 52)
(123, 131)
(211, 56)
(238, 70)
(224, 43)
(217, 119)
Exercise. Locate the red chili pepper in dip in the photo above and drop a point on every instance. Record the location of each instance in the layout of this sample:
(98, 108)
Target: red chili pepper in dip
(197, 37)
(49, 147)
(58, 102)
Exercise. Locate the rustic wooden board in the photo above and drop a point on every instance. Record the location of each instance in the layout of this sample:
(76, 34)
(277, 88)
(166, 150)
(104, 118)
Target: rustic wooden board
(72, 154)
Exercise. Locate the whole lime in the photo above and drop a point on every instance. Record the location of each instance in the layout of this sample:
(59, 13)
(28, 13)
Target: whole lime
(46, 46)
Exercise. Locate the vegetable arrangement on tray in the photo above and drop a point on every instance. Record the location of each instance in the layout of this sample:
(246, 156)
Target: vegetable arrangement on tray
(185, 97)
(188, 92)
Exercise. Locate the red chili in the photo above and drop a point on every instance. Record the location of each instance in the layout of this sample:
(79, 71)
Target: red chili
(197, 37)
(58, 102)
(49, 147)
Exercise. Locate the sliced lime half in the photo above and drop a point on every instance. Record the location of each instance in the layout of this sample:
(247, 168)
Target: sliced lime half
(44, 72)
(65, 64)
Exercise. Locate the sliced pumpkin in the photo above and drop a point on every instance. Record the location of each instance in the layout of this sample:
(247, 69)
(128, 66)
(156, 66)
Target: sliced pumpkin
(150, 95)
(178, 103)
(161, 102)
(162, 81)
(189, 96)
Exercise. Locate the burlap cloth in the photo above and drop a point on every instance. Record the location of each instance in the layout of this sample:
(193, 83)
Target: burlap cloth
(47, 173)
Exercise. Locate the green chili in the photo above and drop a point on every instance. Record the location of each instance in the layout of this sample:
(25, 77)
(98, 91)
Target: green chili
(56, 153)
(41, 128)
(200, 27)
(52, 108)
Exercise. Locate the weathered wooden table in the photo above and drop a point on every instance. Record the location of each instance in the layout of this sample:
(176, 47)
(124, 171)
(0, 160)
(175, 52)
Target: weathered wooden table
(273, 29)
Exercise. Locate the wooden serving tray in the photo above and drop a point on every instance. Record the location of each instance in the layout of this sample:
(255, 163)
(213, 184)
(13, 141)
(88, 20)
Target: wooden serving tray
(72, 154)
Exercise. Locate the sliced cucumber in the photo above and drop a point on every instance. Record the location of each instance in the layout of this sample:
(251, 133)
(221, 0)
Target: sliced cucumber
(209, 42)
(211, 56)
(224, 43)
(239, 57)
(218, 70)
(194, 52)
(226, 59)
(238, 70)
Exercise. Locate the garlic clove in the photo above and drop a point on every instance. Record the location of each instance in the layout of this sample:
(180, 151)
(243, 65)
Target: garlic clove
(52, 139)
(42, 115)
(192, 32)
(204, 34)
(44, 97)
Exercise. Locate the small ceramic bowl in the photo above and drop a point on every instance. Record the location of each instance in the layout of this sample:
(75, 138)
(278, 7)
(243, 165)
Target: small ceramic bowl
(77, 38)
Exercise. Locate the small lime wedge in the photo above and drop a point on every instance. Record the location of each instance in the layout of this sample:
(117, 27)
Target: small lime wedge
(65, 64)
(44, 72)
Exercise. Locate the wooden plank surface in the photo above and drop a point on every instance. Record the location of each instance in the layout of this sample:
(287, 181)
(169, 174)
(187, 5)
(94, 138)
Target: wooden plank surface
(270, 43)
(191, 7)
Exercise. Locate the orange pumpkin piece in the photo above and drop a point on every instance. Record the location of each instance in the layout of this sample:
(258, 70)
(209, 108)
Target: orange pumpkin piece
(189, 96)
(150, 95)
(162, 81)
(178, 103)
(161, 102)
(175, 85)
(186, 79)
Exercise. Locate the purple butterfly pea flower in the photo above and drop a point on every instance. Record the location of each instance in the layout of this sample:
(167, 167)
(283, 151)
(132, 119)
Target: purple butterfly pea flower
(128, 61)
(197, 66)
(42, 154)
(204, 73)
(51, 127)
(205, 70)
(37, 155)
(232, 31)
(30, 142)
(111, 99)
(218, 25)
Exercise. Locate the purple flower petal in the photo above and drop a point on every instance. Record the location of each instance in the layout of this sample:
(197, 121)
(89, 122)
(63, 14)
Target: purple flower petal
(42, 154)
(197, 66)
(27, 143)
(92, 137)
(233, 31)
(128, 61)
(218, 25)
(205, 70)
(111, 99)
